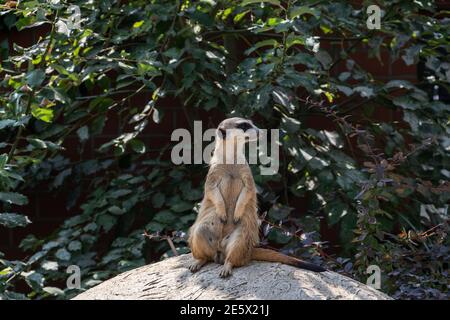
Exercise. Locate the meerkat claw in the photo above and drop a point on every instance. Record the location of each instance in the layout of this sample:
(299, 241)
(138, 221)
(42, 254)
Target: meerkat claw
(225, 272)
(195, 266)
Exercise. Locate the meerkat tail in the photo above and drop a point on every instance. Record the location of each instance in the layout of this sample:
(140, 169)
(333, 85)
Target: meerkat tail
(262, 254)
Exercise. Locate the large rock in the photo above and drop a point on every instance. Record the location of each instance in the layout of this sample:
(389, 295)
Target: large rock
(170, 279)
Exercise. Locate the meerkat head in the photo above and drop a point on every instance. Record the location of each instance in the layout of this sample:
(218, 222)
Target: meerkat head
(237, 129)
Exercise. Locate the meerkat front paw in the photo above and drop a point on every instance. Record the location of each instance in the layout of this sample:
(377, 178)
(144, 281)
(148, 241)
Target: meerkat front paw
(196, 265)
(226, 271)
(223, 218)
(237, 216)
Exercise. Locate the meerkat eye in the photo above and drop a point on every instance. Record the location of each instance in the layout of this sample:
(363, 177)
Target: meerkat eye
(244, 126)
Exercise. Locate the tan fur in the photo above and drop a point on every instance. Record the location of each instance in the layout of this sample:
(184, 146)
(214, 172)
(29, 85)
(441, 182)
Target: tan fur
(226, 228)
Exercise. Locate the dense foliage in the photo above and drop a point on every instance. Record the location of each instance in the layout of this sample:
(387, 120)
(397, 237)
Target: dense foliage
(274, 61)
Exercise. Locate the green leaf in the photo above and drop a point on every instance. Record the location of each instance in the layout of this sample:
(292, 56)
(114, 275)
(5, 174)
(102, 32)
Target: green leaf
(202, 18)
(278, 236)
(83, 133)
(106, 221)
(211, 103)
(37, 143)
(3, 160)
(182, 206)
(116, 210)
(280, 96)
(324, 58)
(137, 145)
(147, 69)
(347, 227)
(158, 200)
(192, 194)
(346, 90)
(292, 79)
(239, 16)
(291, 125)
(7, 123)
(120, 193)
(6, 271)
(13, 198)
(247, 2)
(29, 242)
(279, 212)
(138, 24)
(188, 68)
(412, 120)
(35, 78)
(43, 114)
(74, 245)
(63, 254)
(294, 39)
(173, 53)
(406, 102)
(411, 55)
(12, 295)
(54, 291)
(299, 11)
(34, 279)
(365, 92)
(165, 217)
(50, 265)
(13, 220)
(264, 71)
(59, 179)
(399, 84)
(100, 104)
(154, 227)
(264, 43)
(344, 76)
(335, 211)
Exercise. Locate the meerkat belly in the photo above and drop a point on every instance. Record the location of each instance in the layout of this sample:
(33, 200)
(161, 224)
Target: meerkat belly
(232, 189)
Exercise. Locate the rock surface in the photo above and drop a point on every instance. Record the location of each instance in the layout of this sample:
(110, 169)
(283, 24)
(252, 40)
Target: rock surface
(170, 279)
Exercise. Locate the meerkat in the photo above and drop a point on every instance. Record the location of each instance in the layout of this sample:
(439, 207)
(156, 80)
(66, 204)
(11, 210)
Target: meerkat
(226, 229)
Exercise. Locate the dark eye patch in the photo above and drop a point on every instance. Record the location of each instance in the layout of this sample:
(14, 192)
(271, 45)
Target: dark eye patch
(244, 126)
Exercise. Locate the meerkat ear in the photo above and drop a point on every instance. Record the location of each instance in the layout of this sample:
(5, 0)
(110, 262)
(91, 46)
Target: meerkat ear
(222, 133)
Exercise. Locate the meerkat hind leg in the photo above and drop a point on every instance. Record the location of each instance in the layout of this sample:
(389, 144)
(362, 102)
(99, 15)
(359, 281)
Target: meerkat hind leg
(203, 243)
(236, 252)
